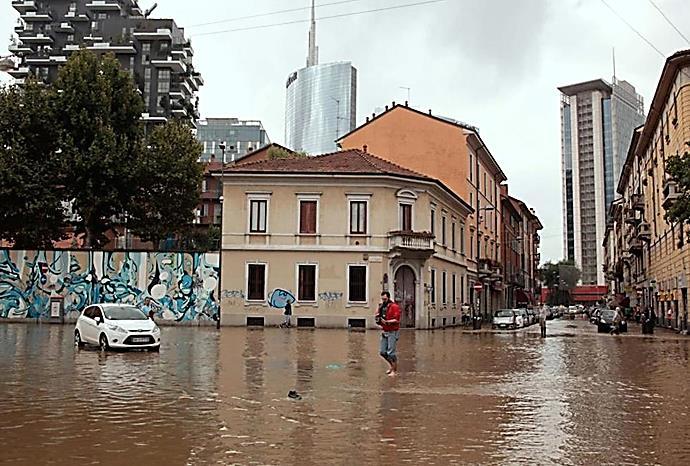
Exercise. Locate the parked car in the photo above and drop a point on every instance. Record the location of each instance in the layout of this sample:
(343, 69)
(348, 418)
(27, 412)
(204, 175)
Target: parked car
(605, 323)
(533, 318)
(116, 326)
(594, 316)
(505, 319)
(521, 319)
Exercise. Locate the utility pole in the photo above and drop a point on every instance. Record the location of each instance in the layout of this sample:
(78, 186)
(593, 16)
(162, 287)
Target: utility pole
(220, 243)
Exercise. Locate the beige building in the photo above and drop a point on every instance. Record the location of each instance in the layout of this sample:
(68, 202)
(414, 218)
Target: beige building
(649, 257)
(333, 231)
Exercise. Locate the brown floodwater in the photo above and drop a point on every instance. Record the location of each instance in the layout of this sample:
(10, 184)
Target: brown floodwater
(211, 397)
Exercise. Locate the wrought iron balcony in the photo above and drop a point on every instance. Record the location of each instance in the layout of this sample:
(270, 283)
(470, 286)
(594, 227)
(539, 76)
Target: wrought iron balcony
(635, 247)
(637, 202)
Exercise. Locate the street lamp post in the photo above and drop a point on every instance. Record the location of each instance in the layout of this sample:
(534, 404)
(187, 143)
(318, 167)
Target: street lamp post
(220, 242)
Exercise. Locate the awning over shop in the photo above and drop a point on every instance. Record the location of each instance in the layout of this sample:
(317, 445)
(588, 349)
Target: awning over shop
(588, 294)
(523, 297)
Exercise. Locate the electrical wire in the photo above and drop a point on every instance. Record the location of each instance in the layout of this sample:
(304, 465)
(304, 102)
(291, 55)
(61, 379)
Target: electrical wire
(270, 13)
(343, 15)
(640, 35)
(668, 20)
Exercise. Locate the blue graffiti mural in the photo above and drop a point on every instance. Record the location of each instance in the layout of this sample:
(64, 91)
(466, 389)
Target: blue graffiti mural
(279, 298)
(182, 286)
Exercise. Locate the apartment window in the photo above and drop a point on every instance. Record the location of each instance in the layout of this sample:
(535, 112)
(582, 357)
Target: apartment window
(163, 81)
(258, 210)
(256, 282)
(29, 26)
(306, 286)
(204, 186)
(94, 25)
(433, 221)
(73, 6)
(452, 236)
(443, 230)
(204, 210)
(471, 244)
(70, 37)
(358, 217)
(462, 240)
(462, 288)
(454, 282)
(357, 283)
(432, 297)
(472, 200)
(307, 217)
(444, 281)
(145, 53)
(406, 217)
(102, 16)
(485, 182)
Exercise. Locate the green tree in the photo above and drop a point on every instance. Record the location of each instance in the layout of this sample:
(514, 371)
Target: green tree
(100, 110)
(560, 277)
(280, 153)
(167, 181)
(31, 182)
(678, 168)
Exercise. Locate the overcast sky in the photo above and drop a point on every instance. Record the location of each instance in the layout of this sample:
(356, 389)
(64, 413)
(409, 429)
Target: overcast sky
(492, 63)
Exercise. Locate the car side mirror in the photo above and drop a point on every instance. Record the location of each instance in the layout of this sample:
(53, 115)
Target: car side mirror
(98, 320)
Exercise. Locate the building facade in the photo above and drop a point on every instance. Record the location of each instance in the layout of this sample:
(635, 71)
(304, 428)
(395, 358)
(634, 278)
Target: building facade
(597, 122)
(331, 232)
(240, 137)
(649, 258)
(455, 154)
(154, 51)
(321, 102)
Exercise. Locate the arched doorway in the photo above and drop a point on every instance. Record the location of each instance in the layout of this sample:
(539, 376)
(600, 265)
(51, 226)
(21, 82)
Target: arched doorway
(405, 296)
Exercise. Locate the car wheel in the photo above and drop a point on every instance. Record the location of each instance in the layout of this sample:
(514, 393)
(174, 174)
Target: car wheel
(77, 340)
(103, 342)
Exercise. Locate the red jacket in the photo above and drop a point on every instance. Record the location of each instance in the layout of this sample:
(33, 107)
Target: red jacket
(392, 313)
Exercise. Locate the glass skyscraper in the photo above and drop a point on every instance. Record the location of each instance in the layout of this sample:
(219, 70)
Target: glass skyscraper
(597, 123)
(321, 103)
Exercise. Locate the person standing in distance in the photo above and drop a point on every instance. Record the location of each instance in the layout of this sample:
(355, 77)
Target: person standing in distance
(388, 318)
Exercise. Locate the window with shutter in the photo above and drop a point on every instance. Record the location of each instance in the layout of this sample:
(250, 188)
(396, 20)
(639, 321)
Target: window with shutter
(256, 282)
(307, 283)
(357, 291)
(307, 217)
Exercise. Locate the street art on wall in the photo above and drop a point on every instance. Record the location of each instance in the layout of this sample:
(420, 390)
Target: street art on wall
(280, 298)
(181, 285)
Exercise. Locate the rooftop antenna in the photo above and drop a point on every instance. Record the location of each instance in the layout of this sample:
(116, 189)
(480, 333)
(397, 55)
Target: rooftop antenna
(148, 12)
(613, 53)
(313, 57)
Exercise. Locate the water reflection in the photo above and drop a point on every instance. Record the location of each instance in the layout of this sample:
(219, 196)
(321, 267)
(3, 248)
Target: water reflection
(221, 397)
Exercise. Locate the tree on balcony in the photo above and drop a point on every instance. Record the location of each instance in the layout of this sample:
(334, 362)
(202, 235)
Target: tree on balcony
(678, 168)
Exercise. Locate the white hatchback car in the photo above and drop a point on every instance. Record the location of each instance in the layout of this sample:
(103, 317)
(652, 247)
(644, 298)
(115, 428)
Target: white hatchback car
(117, 326)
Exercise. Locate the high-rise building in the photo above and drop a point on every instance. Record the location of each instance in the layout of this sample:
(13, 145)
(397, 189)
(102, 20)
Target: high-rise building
(597, 122)
(321, 102)
(240, 137)
(154, 51)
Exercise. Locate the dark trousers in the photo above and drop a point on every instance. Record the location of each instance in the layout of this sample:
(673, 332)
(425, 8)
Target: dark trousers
(542, 325)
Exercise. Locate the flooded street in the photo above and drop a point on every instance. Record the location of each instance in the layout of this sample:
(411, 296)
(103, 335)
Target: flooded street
(211, 397)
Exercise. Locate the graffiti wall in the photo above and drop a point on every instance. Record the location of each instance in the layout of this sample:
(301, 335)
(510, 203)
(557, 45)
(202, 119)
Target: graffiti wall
(182, 286)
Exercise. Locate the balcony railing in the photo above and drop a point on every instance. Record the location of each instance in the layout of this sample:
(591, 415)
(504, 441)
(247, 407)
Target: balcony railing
(671, 193)
(411, 240)
(644, 232)
(635, 247)
(637, 201)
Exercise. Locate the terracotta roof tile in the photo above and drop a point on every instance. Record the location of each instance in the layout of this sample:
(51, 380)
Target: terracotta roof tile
(350, 161)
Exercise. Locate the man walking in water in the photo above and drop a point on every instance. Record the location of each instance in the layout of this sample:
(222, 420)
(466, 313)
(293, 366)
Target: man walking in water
(542, 321)
(388, 318)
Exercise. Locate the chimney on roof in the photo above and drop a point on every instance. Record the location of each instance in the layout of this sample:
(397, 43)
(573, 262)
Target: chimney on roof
(393, 103)
(364, 147)
(373, 115)
(367, 119)
(429, 111)
(406, 104)
(386, 107)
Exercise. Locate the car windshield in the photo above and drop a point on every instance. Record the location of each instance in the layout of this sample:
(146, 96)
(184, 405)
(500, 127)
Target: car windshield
(124, 313)
(504, 313)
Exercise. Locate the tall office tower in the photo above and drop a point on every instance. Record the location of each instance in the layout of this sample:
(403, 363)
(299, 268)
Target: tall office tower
(240, 137)
(154, 51)
(597, 123)
(321, 102)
